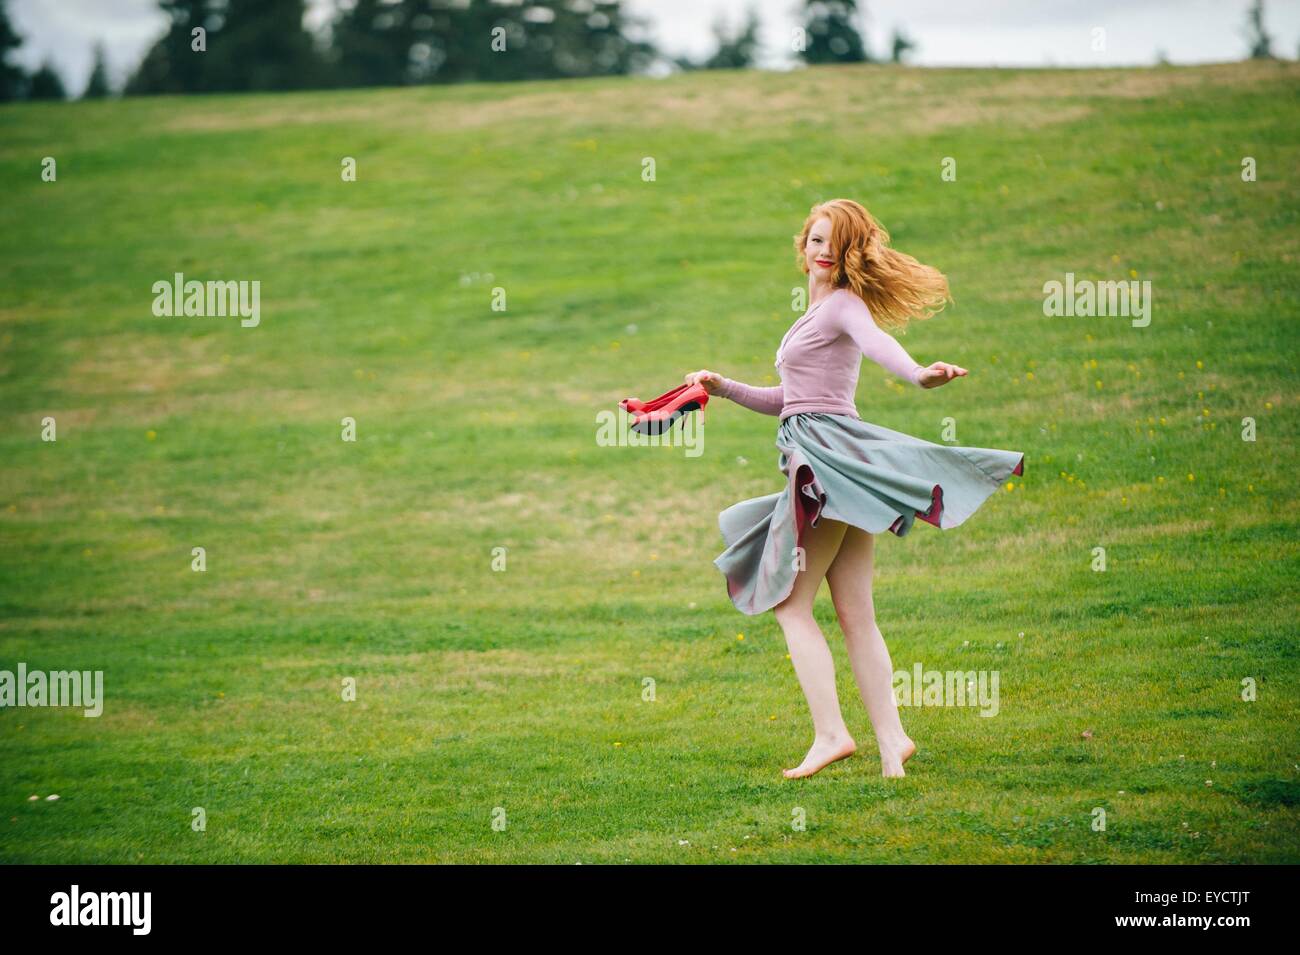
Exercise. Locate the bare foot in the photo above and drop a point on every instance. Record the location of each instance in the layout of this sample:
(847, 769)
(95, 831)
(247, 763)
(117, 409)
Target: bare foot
(892, 760)
(822, 754)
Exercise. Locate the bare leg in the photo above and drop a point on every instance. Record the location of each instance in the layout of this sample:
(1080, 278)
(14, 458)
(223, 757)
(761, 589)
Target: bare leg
(810, 654)
(850, 579)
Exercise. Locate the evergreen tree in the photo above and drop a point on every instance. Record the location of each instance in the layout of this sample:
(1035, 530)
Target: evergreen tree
(901, 46)
(832, 33)
(738, 51)
(263, 45)
(97, 85)
(447, 41)
(371, 44)
(1261, 44)
(172, 65)
(46, 83)
(13, 81)
(612, 51)
(548, 39)
(245, 45)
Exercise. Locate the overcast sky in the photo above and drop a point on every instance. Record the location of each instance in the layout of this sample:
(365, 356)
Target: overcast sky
(947, 32)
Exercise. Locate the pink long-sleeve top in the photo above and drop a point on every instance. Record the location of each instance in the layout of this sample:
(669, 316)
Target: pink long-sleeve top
(820, 357)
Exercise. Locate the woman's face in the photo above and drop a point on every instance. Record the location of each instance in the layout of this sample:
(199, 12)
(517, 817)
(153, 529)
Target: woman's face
(818, 254)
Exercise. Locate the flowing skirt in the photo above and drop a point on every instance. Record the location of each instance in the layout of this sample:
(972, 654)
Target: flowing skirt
(848, 470)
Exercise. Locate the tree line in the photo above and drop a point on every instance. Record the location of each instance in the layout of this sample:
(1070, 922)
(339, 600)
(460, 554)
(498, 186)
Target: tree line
(215, 46)
(245, 45)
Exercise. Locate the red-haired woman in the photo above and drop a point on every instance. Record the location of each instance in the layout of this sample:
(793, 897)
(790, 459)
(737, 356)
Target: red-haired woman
(846, 479)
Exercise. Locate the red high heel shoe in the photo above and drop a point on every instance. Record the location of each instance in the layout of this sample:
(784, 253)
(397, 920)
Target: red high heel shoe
(633, 405)
(660, 414)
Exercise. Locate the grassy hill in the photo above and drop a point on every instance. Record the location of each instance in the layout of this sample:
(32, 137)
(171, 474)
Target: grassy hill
(518, 693)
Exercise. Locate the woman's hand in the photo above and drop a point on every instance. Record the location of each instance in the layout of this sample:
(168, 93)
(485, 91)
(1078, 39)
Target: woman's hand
(711, 381)
(940, 373)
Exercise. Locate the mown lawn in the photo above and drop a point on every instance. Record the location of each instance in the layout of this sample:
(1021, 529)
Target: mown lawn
(519, 694)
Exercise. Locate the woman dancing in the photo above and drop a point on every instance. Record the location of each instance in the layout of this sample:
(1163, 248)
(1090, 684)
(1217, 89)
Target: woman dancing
(846, 479)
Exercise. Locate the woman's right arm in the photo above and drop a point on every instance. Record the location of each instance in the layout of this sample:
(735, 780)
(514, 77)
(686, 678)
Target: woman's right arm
(763, 400)
(768, 401)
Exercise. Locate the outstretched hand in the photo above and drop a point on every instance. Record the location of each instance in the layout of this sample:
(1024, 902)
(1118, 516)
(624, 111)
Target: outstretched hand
(940, 373)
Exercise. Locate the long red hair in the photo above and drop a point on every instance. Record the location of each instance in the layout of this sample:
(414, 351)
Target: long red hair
(896, 287)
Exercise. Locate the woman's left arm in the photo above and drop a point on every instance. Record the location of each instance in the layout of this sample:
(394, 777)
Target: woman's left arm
(882, 348)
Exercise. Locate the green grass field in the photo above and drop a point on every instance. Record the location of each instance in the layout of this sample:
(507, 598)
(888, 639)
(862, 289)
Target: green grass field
(482, 691)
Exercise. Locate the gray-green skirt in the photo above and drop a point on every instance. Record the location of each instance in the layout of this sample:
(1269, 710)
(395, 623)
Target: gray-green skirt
(845, 469)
